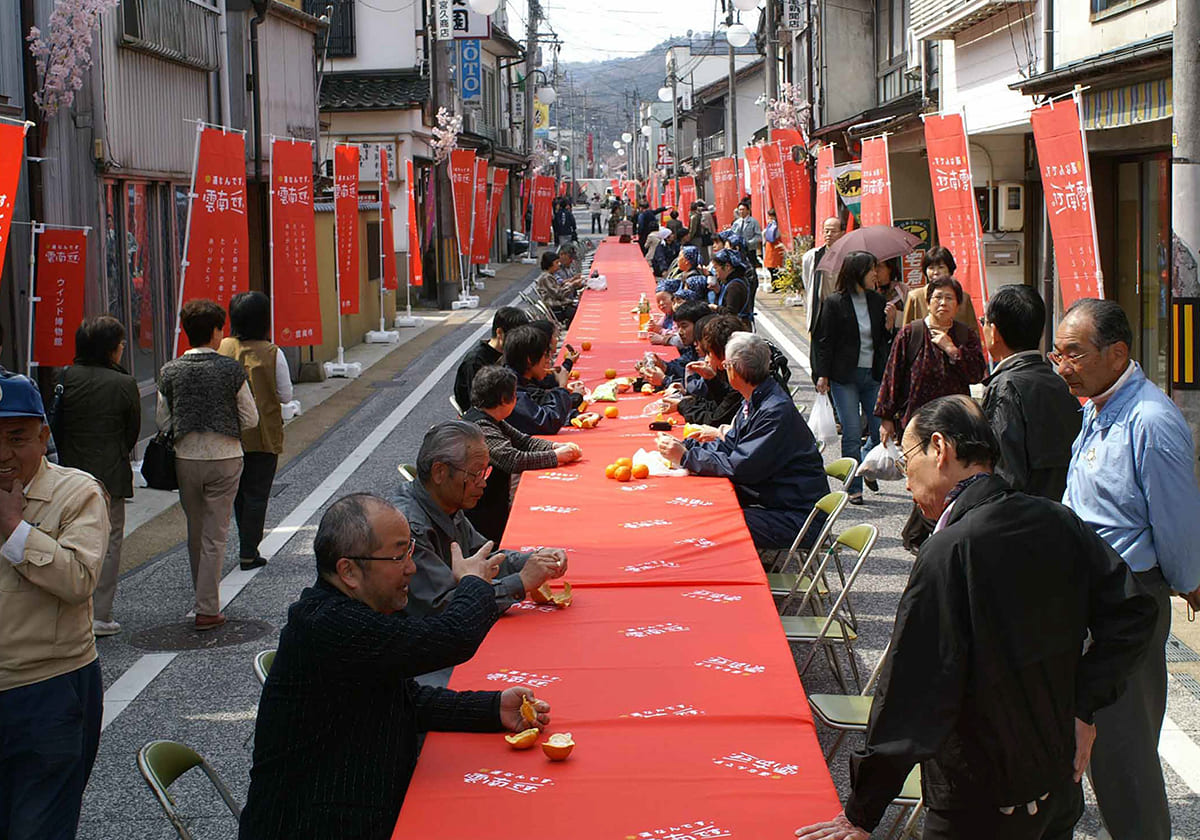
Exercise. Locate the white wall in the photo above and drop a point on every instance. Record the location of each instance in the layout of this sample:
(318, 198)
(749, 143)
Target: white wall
(385, 36)
(980, 64)
(1077, 37)
(847, 58)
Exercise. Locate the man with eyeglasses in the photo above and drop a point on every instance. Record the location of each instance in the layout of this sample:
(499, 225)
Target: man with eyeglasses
(337, 734)
(452, 472)
(1131, 478)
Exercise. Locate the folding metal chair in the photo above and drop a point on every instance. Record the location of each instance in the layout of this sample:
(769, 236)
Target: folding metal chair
(408, 472)
(162, 762)
(843, 469)
(838, 626)
(846, 713)
(455, 406)
(263, 660)
(784, 583)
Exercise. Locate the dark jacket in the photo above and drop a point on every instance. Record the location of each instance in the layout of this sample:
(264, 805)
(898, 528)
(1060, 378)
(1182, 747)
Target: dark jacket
(540, 410)
(1036, 420)
(770, 454)
(665, 254)
(712, 403)
(836, 339)
(647, 223)
(101, 420)
(564, 222)
(985, 675)
(735, 295)
(318, 770)
(509, 452)
(479, 356)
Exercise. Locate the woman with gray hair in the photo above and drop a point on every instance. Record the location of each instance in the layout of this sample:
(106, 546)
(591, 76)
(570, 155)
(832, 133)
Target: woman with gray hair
(768, 452)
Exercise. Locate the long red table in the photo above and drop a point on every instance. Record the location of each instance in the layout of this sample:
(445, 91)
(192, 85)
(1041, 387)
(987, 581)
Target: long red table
(670, 668)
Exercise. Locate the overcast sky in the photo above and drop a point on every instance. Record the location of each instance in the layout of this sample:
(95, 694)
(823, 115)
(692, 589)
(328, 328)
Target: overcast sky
(597, 30)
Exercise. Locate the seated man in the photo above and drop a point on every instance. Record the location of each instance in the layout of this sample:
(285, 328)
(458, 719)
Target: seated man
(568, 268)
(558, 298)
(452, 471)
(489, 352)
(667, 373)
(493, 398)
(335, 742)
(54, 529)
(768, 453)
(707, 397)
(542, 408)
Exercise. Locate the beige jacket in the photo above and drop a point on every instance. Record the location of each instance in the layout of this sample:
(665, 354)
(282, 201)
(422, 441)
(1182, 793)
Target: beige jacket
(46, 599)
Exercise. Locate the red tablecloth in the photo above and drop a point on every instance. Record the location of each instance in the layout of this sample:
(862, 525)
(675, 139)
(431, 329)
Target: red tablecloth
(670, 669)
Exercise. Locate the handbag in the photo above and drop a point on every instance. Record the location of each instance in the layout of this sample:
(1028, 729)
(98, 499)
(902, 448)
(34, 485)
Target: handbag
(158, 462)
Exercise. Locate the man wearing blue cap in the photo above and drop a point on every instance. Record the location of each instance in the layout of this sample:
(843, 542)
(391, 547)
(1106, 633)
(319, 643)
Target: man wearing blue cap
(53, 535)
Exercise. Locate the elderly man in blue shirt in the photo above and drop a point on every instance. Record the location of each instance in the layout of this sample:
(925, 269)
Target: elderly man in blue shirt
(1131, 478)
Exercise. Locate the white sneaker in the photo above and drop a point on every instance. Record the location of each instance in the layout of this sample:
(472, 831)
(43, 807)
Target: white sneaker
(105, 628)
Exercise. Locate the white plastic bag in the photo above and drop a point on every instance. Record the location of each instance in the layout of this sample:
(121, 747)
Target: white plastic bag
(821, 420)
(657, 464)
(882, 463)
(597, 284)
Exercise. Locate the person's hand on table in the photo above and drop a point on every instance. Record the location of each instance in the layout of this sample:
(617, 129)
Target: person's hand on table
(653, 327)
(510, 708)
(703, 433)
(652, 375)
(558, 555)
(482, 563)
(571, 353)
(562, 376)
(670, 403)
(576, 386)
(702, 369)
(567, 452)
(839, 828)
(540, 568)
(670, 448)
(659, 338)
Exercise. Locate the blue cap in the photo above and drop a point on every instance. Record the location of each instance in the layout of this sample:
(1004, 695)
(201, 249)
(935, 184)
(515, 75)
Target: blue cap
(19, 397)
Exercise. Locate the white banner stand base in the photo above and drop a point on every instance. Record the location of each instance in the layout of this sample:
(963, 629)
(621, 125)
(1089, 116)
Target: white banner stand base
(381, 337)
(528, 261)
(343, 370)
(465, 301)
(486, 272)
(290, 409)
(479, 284)
(409, 320)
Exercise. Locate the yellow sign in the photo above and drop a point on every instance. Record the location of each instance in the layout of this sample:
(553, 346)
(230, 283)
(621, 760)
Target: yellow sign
(541, 115)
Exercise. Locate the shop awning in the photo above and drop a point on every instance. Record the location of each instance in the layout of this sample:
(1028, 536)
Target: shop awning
(1133, 104)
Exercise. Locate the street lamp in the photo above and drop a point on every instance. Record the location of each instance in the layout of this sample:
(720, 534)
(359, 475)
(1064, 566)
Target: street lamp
(664, 94)
(737, 35)
(646, 130)
(616, 144)
(626, 136)
(487, 7)
(547, 96)
(744, 5)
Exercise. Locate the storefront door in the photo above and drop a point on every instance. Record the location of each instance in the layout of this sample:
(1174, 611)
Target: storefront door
(1143, 268)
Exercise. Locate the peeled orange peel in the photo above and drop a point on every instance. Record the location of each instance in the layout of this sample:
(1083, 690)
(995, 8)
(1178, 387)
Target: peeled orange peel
(528, 713)
(523, 740)
(545, 595)
(558, 746)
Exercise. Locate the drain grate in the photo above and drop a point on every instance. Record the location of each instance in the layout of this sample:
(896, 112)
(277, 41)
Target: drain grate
(1177, 651)
(184, 636)
(1189, 682)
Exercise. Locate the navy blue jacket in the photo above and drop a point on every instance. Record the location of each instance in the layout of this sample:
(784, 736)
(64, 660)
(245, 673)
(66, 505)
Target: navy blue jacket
(540, 411)
(770, 454)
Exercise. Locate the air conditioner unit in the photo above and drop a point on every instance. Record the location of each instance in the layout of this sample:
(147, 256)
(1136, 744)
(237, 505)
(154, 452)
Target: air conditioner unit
(1010, 206)
(915, 50)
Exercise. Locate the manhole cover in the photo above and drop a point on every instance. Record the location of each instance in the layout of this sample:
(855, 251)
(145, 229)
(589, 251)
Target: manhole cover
(1177, 651)
(184, 636)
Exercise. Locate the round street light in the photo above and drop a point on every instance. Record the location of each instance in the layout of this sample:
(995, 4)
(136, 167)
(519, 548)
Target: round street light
(621, 152)
(484, 7)
(745, 5)
(547, 96)
(646, 130)
(626, 136)
(664, 93)
(616, 144)
(738, 35)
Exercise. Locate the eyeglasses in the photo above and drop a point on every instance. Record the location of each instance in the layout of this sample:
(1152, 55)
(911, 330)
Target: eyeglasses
(902, 461)
(399, 558)
(474, 476)
(1074, 358)
(949, 300)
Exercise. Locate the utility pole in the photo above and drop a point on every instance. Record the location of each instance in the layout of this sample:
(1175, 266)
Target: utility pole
(448, 266)
(731, 144)
(1185, 182)
(674, 119)
(771, 77)
(557, 122)
(530, 65)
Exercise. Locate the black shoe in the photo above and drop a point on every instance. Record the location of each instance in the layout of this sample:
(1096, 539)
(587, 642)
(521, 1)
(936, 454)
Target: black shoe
(253, 563)
(872, 484)
(856, 498)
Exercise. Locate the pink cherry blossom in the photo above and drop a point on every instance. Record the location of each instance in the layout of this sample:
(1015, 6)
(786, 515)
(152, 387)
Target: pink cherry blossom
(65, 53)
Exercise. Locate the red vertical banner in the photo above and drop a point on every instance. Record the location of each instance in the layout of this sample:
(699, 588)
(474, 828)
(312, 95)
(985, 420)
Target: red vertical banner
(345, 220)
(798, 191)
(954, 201)
(12, 152)
(480, 238)
(61, 269)
(499, 182)
(295, 293)
(754, 161)
(652, 197)
(725, 188)
(416, 271)
(772, 164)
(218, 239)
(387, 244)
(462, 190)
(876, 195)
(687, 196)
(631, 191)
(543, 199)
(827, 205)
(1067, 186)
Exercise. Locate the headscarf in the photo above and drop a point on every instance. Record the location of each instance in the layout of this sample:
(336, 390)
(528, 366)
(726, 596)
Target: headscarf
(731, 256)
(669, 284)
(663, 233)
(697, 284)
(736, 242)
(691, 253)
(687, 293)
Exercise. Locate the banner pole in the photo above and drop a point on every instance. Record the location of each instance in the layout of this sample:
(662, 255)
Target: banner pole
(34, 231)
(1077, 95)
(187, 235)
(383, 335)
(339, 368)
(271, 231)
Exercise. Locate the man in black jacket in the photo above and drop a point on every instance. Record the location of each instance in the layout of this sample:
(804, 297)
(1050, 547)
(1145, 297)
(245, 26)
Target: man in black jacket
(647, 222)
(485, 353)
(1028, 405)
(985, 684)
(335, 743)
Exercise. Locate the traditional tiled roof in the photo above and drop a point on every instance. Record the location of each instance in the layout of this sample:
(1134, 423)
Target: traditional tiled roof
(373, 90)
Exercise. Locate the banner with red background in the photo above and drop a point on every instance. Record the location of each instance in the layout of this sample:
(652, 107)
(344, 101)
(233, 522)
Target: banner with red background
(876, 206)
(387, 244)
(827, 204)
(954, 201)
(61, 270)
(499, 182)
(218, 239)
(543, 211)
(631, 191)
(725, 188)
(345, 213)
(687, 197)
(1067, 186)
(416, 271)
(480, 239)
(295, 293)
(12, 151)
(754, 163)
(798, 191)
(772, 164)
(462, 191)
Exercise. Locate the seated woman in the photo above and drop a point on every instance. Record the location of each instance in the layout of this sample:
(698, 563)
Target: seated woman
(558, 297)
(663, 256)
(706, 397)
(510, 452)
(732, 272)
(540, 410)
(768, 452)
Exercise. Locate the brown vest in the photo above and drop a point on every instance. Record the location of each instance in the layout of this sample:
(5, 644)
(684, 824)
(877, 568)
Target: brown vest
(258, 358)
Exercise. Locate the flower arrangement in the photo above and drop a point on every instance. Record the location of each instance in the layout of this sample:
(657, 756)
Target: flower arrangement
(789, 278)
(64, 52)
(790, 110)
(445, 134)
(539, 158)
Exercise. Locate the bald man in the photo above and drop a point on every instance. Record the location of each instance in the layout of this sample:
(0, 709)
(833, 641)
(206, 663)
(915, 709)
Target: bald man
(817, 289)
